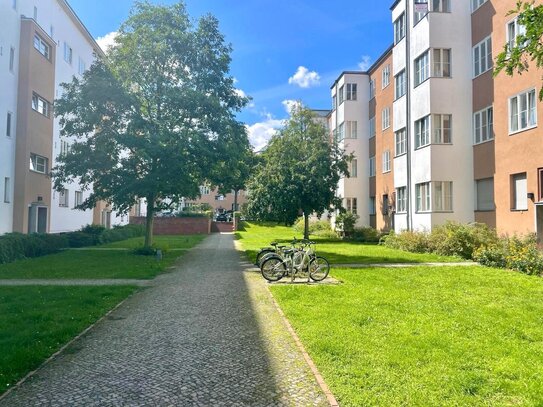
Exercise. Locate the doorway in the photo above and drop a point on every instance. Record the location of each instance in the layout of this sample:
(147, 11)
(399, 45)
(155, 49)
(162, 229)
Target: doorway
(539, 223)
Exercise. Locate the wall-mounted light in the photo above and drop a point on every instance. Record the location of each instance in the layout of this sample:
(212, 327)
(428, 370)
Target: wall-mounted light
(531, 196)
(40, 198)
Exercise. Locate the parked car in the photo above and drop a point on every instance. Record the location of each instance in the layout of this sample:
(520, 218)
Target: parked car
(221, 217)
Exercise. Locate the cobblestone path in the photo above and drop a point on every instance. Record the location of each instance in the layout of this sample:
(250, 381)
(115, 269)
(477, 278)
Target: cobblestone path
(206, 334)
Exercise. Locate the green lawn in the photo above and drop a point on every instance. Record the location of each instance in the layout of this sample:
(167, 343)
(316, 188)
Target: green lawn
(442, 336)
(254, 236)
(36, 321)
(170, 242)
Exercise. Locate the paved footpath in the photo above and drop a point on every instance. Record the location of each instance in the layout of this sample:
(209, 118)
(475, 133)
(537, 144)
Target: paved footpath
(206, 334)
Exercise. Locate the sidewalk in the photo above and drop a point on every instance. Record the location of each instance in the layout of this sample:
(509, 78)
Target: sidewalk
(206, 334)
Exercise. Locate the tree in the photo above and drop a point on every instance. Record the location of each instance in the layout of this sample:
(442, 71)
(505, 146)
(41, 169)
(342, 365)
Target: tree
(148, 120)
(299, 173)
(527, 47)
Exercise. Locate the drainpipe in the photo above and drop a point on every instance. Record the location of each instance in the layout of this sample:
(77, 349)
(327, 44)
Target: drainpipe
(408, 112)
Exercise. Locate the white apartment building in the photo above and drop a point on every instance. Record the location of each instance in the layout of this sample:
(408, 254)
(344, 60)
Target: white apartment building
(42, 44)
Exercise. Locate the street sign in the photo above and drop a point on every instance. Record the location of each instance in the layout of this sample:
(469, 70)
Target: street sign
(421, 7)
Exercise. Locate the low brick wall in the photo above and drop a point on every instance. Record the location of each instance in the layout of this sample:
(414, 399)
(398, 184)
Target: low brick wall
(218, 227)
(176, 226)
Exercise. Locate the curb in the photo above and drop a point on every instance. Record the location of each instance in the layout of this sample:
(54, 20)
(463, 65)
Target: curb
(64, 347)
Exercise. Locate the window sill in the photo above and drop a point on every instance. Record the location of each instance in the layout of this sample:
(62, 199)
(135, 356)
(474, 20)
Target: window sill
(519, 210)
(513, 133)
(37, 172)
(401, 213)
(400, 155)
(399, 97)
(420, 83)
(482, 73)
(63, 206)
(422, 147)
(485, 210)
(483, 142)
(387, 172)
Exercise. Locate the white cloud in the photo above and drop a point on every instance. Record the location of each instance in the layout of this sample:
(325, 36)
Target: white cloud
(290, 105)
(304, 78)
(260, 133)
(240, 93)
(365, 64)
(107, 40)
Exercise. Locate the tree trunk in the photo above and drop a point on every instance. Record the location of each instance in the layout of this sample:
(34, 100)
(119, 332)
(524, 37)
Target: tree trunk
(235, 200)
(306, 225)
(149, 221)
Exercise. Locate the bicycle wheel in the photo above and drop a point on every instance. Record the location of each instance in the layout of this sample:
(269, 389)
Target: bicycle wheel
(273, 269)
(261, 253)
(319, 268)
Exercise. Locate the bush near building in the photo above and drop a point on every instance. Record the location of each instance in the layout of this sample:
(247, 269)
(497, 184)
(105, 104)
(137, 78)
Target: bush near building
(476, 242)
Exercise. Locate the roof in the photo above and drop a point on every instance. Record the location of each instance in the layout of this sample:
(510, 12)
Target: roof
(347, 73)
(79, 24)
(383, 56)
(394, 4)
(321, 112)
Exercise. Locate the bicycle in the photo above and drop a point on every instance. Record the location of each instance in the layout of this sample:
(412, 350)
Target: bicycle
(294, 261)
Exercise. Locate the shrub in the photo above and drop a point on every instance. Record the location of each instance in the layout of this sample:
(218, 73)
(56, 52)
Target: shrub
(16, 246)
(345, 222)
(316, 227)
(121, 233)
(145, 251)
(81, 239)
(416, 242)
(461, 240)
(366, 235)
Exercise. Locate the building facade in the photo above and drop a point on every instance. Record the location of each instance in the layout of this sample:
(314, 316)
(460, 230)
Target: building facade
(443, 138)
(42, 44)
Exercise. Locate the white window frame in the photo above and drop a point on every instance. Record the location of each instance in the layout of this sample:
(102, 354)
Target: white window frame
(419, 16)
(7, 189)
(373, 206)
(442, 196)
(385, 118)
(351, 205)
(399, 29)
(372, 167)
(475, 4)
(483, 125)
(400, 141)
(422, 132)
(482, 57)
(64, 147)
(12, 59)
(372, 127)
(352, 90)
(351, 129)
(42, 47)
(385, 77)
(518, 30)
(372, 89)
(78, 198)
(386, 162)
(520, 199)
(340, 132)
(9, 124)
(484, 203)
(68, 53)
(354, 168)
(401, 200)
(38, 163)
(440, 133)
(341, 94)
(41, 105)
(422, 68)
(441, 6)
(64, 198)
(530, 112)
(441, 62)
(400, 85)
(423, 197)
(82, 66)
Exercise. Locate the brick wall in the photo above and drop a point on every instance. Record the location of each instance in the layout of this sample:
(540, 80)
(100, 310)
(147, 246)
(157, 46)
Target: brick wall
(176, 226)
(217, 227)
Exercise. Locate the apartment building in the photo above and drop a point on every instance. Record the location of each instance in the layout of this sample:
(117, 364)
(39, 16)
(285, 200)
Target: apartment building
(42, 44)
(219, 202)
(444, 139)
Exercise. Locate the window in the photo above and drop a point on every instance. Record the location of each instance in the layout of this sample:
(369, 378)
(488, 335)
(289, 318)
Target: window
(82, 67)
(351, 91)
(485, 194)
(334, 102)
(441, 6)
(442, 128)
(386, 161)
(421, 69)
(78, 198)
(7, 190)
(419, 15)
(40, 105)
(341, 95)
(35, 13)
(441, 67)
(385, 209)
(520, 192)
(372, 166)
(401, 199)
(442, 196)
(354, 168)
(385, 118)
(400, 85)
(38, 163)
(340, 132)
(352, 205)
(373, 208)
(8, 124)
(385, 76)
(11, 59)
(475, 4)
(64, 147)
(63, 198)
(422, 192)
(68, 53)
(204, 190)
(401, 142)
(41, 46)
(351, 129)
(482, 57)
(522, 111)
(422, 132)
(372, 127)
(514, 30)
(399, 29)
(483, 125)
(219, 197)
(372, 88)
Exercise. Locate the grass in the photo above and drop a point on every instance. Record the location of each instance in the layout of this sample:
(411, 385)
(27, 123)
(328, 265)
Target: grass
(36, 321)
(255, 236)
(442, 336)
(170, 242)
(96, 264)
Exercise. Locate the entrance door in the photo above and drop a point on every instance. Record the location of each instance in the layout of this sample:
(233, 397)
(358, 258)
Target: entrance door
(42, 220)
(539, 222)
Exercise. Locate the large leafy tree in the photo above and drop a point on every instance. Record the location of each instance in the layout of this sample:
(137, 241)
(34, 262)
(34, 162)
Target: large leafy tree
(150, 120)
(299, 172)
(528, 46)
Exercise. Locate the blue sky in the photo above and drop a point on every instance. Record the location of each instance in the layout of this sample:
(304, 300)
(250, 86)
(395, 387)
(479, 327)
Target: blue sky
(304, 42)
